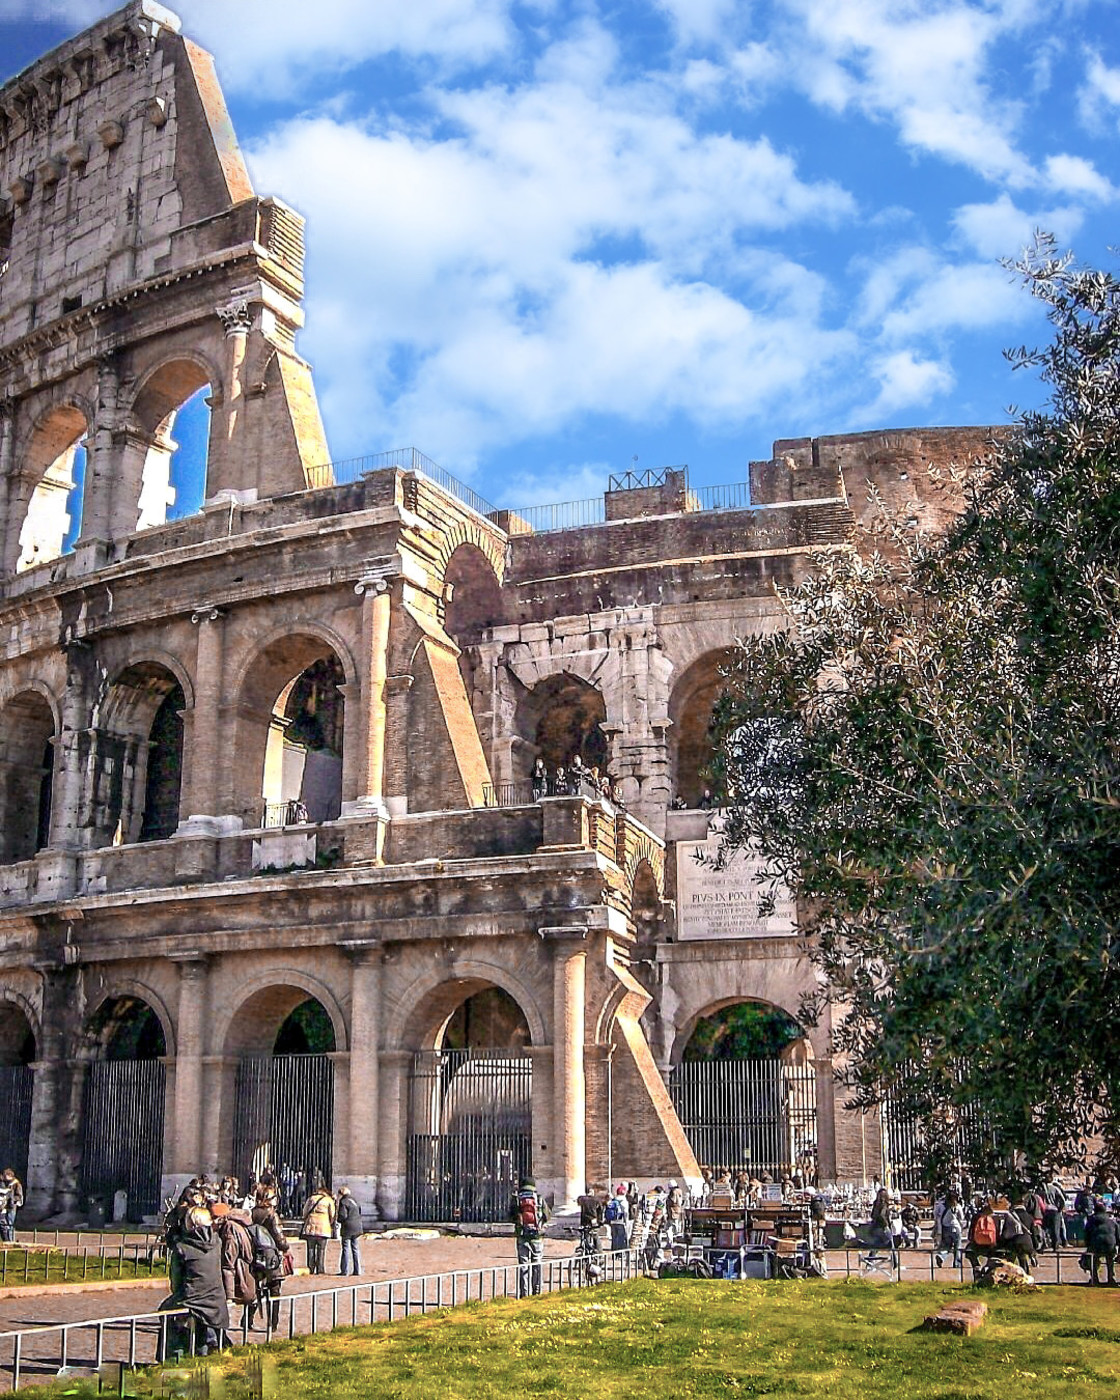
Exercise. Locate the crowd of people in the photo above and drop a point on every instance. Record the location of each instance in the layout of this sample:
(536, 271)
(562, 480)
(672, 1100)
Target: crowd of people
(576, 779)
(228, 1248)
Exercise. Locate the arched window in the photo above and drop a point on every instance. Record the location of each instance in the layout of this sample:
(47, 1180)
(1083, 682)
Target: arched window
(26, 775)
(51, 481)
(166, 466)
(562, 717)
(690, 708)
(140, 753)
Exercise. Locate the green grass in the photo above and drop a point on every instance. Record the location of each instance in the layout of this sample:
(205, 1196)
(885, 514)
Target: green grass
(686, 1340)
(26, 1267)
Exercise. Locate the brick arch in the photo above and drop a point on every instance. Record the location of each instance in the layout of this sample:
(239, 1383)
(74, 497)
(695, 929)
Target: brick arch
(39, 687)
(296, 627)
(67, 407)
(138, 991)
(488, 543)
(11, 996)
(224, 1035)
(151, 657)
(687, 1027)
(183, 373)
(430, 998)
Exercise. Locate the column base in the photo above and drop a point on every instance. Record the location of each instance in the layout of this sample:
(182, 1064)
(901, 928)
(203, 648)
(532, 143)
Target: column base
(364, 1190)
(201, 825)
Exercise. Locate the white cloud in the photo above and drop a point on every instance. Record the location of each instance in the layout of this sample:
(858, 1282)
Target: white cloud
(957, 296)
(562, 249)
(1000, 229)
(698, 21)
(905, 382)
(1100, 90)
(1077, 176)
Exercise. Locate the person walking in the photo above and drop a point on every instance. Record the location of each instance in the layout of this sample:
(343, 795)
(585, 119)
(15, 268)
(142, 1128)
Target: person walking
(529, 1215)
(948, 1228)
(11, 1198)
(232, 1227)
(1102, 1240)
(270, 1249)
(349, 1216)
(674, 1211)
(318, 1227)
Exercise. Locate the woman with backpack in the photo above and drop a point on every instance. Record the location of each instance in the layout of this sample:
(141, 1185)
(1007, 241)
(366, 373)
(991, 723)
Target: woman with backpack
(270, 1250)
(617, 1216)
(983, 1237)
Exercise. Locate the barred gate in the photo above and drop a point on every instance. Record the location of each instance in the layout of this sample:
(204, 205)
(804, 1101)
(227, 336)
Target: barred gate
(747, 1115)
(470, 1133)
(16, 1085)
(904, 1142)
(284, 1114)
(122, 1147)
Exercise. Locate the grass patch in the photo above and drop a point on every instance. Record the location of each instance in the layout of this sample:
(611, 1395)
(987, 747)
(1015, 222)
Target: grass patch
(21, 1268)
(688, 1340)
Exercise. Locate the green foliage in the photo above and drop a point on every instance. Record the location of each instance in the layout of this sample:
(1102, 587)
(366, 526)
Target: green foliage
(930, 756)
(745, 1031)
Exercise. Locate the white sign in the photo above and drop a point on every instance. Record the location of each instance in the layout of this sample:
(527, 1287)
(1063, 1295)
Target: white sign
(725, 902)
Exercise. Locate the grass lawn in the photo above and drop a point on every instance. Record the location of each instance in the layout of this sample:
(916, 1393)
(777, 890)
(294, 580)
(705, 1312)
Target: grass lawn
(660, 1339)
(25, 1267)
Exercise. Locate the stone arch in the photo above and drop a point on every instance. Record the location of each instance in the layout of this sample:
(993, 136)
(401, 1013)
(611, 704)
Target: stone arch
(123, 990)
(45, 504)
(19, 1025)
(431, 999)
(29, 729)
(288, 753)
(646, 892)
(271, 997)
(690, 709)
(469, 532)
(686, 1030)
(560, 717)
(139, 724)
(149, 482)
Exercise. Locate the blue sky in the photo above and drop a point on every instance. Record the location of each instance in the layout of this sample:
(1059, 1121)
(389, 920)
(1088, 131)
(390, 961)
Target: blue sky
(546, 238)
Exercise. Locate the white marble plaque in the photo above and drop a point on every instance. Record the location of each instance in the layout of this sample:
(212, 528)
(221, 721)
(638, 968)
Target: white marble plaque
(724, 903)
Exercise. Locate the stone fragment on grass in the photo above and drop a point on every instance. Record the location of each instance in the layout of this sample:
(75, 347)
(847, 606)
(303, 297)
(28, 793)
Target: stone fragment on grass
(962, 1318)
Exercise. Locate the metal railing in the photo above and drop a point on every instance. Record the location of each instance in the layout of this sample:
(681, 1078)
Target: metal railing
(639, 481)
(734, 496)
(34, 1354)
(524, 794)
(22, 1264)
(280, 814)
(567, 515)
(406, 459)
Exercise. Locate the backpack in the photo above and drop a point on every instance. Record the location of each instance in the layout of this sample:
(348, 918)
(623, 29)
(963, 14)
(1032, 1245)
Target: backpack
(985, 1232)
(528, 1214)
(1011, 1228)
(616, 1211)
(266, 1257)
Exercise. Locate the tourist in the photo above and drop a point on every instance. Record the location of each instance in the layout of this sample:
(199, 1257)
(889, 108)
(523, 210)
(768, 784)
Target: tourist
(1102, 1240)
(349, 1216)
(948, 1228)
(1054, 1214)
(11, 1198)
(674, 1211)
(232, 1227)
(1017, 1234)
(270, 1250)
(529, 1215)
(195, 1265)
(318, 1227)
(538, 783)
(618, 1216)
(911, 1228)
(983, 1236)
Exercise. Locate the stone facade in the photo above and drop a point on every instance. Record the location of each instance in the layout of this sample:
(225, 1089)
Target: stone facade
(155, 679)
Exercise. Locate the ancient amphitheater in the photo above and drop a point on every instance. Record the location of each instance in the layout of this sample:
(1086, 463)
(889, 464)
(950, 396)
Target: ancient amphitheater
(276, 881)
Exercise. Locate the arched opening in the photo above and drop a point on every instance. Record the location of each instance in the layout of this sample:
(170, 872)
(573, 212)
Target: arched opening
(167, 461)
(139, 767)
(17, 1087)
(472, 604)
(122, 1118)
(283, 1041)
(645, 904)
(51, 482)
(470, 1108)
(294, 731)
(27, 731)
(690, 709)
(745, 1092)
(562, 718)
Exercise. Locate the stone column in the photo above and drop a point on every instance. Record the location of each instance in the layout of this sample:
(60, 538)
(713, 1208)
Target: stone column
(569, 977)
(70, 795)
(7, 466)
(366, 720)
(55, 1123)
(200, 802)
(101, 453)
(365, 1070)
(237, 321)
(394, 1128)
(187, 1110)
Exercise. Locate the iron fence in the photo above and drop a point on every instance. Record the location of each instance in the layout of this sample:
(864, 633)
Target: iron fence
(508, 795)
(747, 1115)
(280, 814)
(25, 1264)
(637, 481)
(406, 459)
(35, 1354)
(734, 496)
(470, 1139)
(16, 1088)
(284, 1115)
(123, 1133)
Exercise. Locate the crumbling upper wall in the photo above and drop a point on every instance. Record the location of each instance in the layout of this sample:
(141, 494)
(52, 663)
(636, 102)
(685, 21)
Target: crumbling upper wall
(109, 145)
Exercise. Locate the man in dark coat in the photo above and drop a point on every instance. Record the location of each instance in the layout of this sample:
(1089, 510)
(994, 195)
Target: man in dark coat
(195, 1259)
(1102, 1240)
(348, 1214)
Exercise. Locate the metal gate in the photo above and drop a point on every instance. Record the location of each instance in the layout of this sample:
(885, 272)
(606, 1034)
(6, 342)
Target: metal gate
(284, 1115)
(16, 1084)
(122, 1148)
(470, 1135)
(904, 1142)
(748, 1115)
